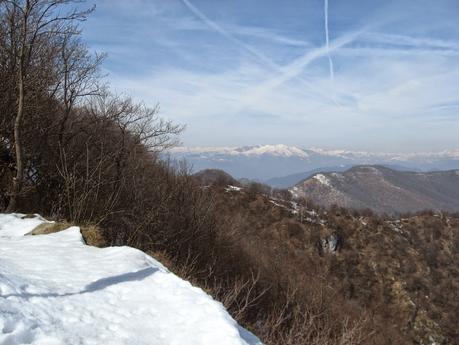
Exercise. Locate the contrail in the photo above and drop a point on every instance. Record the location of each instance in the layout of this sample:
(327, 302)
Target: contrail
(290, 71)
(294, 69)
(230, 37)
(327, 44)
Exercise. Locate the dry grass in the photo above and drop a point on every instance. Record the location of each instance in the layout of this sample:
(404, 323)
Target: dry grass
(49, 228)
(92, 234)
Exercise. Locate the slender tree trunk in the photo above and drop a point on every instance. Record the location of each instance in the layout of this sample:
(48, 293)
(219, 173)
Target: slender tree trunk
(18, 178)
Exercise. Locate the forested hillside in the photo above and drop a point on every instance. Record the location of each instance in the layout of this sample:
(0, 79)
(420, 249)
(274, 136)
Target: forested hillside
(72, 150)
(394, 280)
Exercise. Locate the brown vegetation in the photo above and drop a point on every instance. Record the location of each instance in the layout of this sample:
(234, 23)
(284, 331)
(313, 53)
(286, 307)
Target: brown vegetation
(92, 234)
(90, 157)
(394, 280)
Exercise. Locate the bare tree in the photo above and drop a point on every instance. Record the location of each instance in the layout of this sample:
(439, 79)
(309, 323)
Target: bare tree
(140, 121)
(32, 26)
(78, 76)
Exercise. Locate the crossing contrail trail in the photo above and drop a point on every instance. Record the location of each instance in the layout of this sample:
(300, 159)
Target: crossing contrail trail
(294, 69)
(327, 43)
(290, 71)
(259, 56)
(230, 37)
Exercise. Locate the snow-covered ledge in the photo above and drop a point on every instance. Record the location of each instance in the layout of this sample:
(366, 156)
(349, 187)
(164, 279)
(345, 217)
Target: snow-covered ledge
(56, 290)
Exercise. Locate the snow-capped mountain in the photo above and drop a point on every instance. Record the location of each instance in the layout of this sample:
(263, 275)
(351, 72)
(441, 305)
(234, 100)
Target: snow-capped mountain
(248, 151)
(263, 162)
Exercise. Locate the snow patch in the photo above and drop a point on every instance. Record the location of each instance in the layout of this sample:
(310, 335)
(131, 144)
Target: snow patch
(322, 179)
(396, 225)
(294, 192)
(230, 188)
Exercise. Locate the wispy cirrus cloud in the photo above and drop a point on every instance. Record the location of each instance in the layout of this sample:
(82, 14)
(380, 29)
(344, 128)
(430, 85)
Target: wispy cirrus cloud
(409, 41)
(218, 28)
(246, 73)
(296, 68)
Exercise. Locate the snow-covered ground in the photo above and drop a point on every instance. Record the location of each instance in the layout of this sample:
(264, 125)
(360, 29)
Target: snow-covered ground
(55, 290)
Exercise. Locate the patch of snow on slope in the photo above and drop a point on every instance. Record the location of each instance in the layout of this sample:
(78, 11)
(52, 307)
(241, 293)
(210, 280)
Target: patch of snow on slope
(277, 202)
(322, 179)
(231, 188)
(56, 290)
(294, 191)
(339, 176)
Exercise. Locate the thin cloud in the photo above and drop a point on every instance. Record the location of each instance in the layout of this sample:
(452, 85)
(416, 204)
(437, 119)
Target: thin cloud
(254, 52)
(394, 52)
(410, 41)
(390, 80)
(268, 35)
(297, 67)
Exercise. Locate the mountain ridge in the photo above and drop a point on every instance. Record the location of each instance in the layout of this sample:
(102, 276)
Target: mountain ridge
(265, 162)
(383, 190)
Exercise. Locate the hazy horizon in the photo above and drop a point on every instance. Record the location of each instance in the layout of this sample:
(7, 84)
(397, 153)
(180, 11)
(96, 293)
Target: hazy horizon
(243, 73)
(313, 148)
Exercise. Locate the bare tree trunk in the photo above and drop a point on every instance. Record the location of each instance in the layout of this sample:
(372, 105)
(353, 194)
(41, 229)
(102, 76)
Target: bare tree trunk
(18, 179)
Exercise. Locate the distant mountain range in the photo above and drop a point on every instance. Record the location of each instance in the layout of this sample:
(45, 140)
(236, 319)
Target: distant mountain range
(268, 163)
(383, 190)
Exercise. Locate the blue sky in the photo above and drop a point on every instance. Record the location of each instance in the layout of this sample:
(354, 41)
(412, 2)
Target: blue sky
(243, 72)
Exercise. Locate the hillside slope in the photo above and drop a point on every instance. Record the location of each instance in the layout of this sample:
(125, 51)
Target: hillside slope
(399, 274)
(214, 176)
(291, 180)
(57, 290)
(383, 190)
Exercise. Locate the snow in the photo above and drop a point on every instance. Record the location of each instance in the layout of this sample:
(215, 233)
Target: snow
(295, 207)
(276, 204)
(322, 179)
(314, 217)
(338, 176)
(56, 290)
(396, 225)
(249, 151)
(289, 151)
(294, 191)
(277, 150)
(231, 188)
